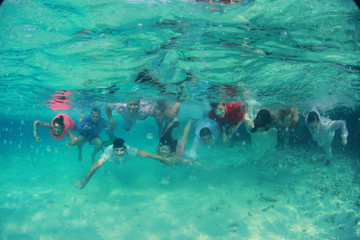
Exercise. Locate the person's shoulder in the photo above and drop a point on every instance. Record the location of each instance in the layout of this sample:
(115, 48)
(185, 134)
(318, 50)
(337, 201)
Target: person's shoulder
(131, 150)
(235, 105)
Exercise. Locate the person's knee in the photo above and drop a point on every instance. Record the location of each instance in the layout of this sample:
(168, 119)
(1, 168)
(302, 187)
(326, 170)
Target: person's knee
(97, 142)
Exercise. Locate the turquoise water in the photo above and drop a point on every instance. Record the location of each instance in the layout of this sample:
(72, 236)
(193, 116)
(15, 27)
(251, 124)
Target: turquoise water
(268, 53)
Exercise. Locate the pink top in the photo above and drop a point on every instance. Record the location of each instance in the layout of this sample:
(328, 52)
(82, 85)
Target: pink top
(68, 122)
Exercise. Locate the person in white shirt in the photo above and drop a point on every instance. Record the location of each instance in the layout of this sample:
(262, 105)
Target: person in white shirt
(323, 131)
(131, 112)
(263, 132)
(206, 133)
(117, 153)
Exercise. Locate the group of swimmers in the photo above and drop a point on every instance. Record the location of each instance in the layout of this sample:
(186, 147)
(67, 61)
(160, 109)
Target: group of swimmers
(225, 122)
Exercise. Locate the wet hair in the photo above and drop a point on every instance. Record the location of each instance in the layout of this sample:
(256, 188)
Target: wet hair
(214, 104)
(97, 110)
(161, 104)
(119, 143)
(60, 121)
(205, 132)
(263, 119)
(285, 112)
(313, 117)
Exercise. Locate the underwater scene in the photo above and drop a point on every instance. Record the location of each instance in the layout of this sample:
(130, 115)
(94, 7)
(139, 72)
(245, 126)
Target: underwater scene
(179, 119)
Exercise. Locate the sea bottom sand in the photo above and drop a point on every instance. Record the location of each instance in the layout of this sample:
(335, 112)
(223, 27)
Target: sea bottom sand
(287, 194)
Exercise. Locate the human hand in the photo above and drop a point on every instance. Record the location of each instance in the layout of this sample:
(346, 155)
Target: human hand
(68, 143)
(86, 127)
(225, 138)
(79, 184)
(344, 140)
(112, 125)
(37, 139)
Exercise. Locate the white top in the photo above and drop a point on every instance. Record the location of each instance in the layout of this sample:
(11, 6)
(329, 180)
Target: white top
(261, 141)
(202, 123)
(145, 109)
(109, 154)
(327, 128)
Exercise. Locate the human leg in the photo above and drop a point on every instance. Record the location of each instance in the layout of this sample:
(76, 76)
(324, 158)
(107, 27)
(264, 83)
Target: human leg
(80, 144)
(98, 145)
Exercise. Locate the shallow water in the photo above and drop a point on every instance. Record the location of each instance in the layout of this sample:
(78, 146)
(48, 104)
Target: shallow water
(271, 54)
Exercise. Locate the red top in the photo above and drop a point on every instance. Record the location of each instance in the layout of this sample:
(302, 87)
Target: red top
(232, 116)
(68, 122)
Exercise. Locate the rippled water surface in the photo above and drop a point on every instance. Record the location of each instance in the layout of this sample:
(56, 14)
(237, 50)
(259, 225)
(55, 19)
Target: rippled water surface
(277, 52)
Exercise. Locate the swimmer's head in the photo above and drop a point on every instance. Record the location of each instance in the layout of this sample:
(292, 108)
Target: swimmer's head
(95, 115)
(119, 147)
(313, 122)
(286, 116)
(161, 106)
(219, 109)
(167, 145)
(263, 121)
(206, 136)
(58, 125)
(133, 106)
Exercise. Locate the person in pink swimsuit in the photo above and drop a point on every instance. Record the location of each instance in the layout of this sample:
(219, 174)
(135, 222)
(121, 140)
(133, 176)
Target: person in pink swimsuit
(59, 127)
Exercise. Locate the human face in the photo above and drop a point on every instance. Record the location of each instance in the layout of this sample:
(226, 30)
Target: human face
(57, 129)
(165, 151)
(119, 151)
(314, 126)
(207, 139)
(220, 110)
(287, 120)
(95, 117)
(133, 107)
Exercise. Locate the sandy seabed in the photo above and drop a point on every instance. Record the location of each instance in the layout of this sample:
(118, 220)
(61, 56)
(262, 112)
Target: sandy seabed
(288, 194)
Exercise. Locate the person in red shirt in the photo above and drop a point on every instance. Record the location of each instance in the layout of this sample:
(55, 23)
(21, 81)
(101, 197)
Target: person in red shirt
(229, 116)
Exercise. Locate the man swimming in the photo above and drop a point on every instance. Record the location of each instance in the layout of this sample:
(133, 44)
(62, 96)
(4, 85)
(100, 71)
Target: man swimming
(131, 112)
(206, 133)
(118, 153)
(89, 129)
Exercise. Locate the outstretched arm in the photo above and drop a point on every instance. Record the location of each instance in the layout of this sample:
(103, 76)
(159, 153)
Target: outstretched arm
(82, 183)
(186, 131)
(174, 111)
(110, 116)
(249, 124)
(145, 154)
(42, 124)
(74, 139)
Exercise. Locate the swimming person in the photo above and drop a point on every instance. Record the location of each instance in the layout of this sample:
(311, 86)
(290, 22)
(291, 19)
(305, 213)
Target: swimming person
(229, 116)
(287, 120)
(263, 132)
(173, 149)
(164, 114)
(207, 132)
(323, 131)
(131, 112)
(59, 127)
(89, 129)
(119, 152)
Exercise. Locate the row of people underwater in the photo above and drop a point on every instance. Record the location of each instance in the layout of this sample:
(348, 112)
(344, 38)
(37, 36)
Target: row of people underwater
(225, 122)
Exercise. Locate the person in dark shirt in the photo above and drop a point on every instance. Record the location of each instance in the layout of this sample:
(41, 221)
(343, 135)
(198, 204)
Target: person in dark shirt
(89, 129)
